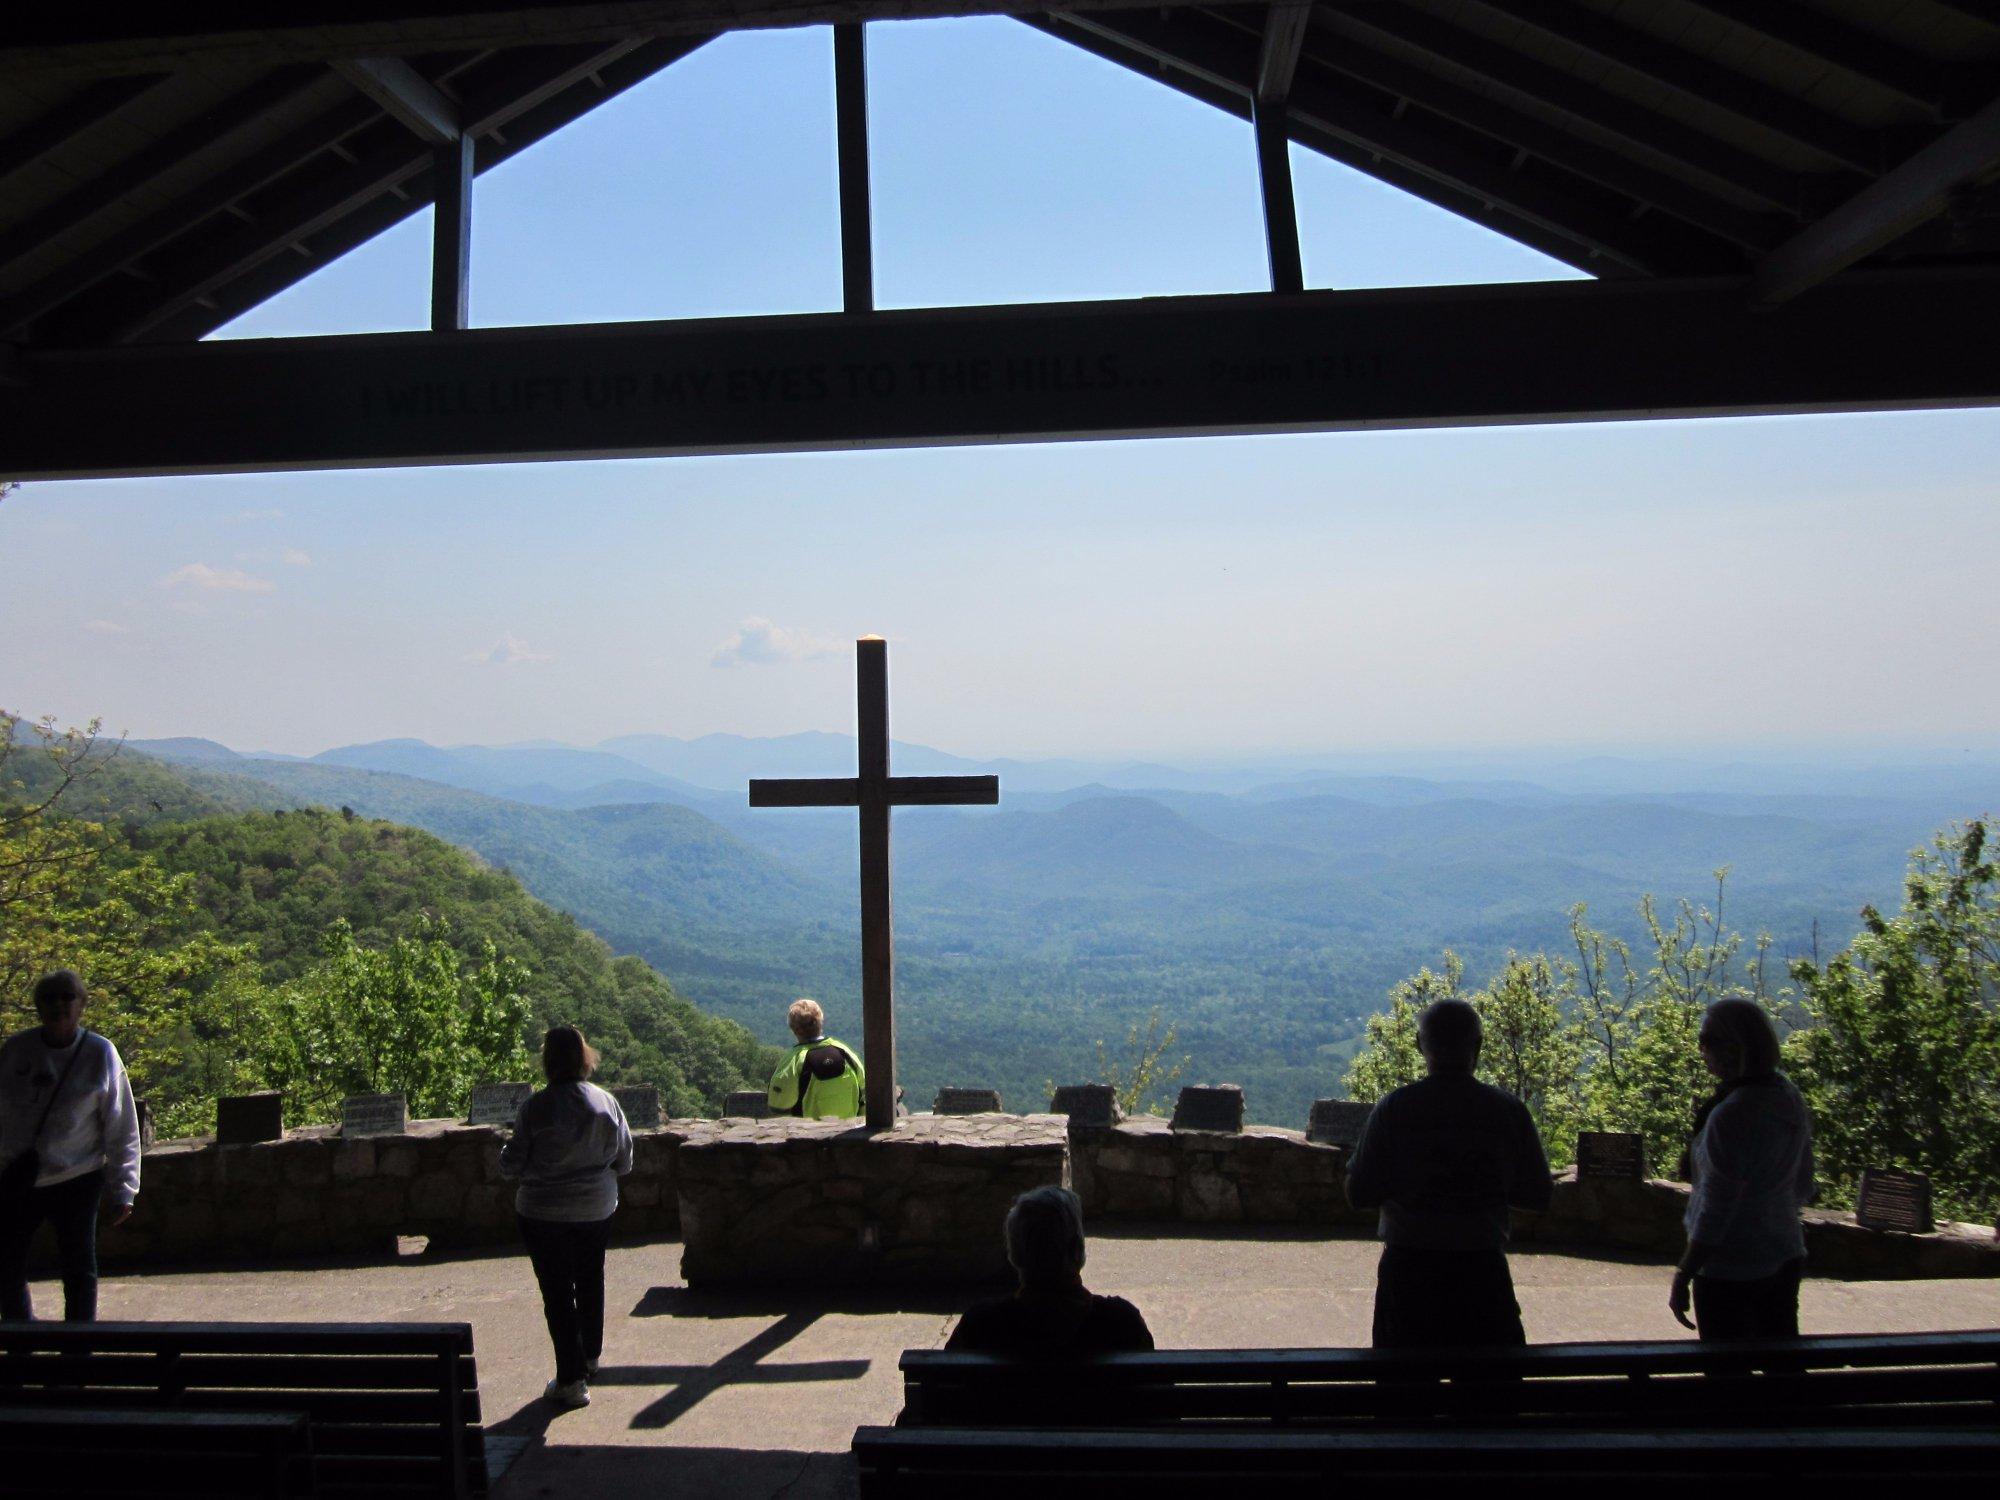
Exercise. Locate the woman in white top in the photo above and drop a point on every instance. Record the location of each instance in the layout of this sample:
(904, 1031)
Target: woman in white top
(64, 1095)
(570, 1146)
(1751, 1163)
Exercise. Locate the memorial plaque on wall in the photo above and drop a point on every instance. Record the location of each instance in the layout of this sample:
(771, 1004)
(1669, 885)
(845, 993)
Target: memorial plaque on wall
(1610, 1153)
(1201, 1107)
(144, 1110)
(747, 1104)
(1891, 1199)
(247, 1118)
(957, 1101)
(497, 1103)
(374, 1114)
(1337, 1122)
(641, 1103)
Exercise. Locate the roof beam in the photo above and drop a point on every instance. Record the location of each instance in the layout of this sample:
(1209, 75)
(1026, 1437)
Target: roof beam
(1696, 78)
(1216, 62)
(1646, 186)
(1278, 59)
(1720, 166)
(1323, 361)
(577, 86)
(1931, 85)
(1885, 210)
(91, 105)
(74, 40)
(211, 130)
(406, 95)
(1277, 62)
(492, 97)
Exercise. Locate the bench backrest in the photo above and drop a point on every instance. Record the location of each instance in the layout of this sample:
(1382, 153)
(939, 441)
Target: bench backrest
(393, 1407)
(1938, 1379)
(920, 1463)
(60, 1453)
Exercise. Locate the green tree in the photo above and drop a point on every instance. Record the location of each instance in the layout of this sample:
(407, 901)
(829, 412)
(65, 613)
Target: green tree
(1533, 1043)
(409, 1018)
(1140, 1074)
(1388, 1058)
(1901, 1056)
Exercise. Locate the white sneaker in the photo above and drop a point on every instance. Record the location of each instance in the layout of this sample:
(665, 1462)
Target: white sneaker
(568, 1395)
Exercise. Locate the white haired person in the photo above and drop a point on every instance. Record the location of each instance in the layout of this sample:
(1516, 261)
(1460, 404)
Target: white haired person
(1751, 1163)
(1444, 1159)
(569, 1148)
(69, 1139)
(821, 1078)
(1051, 1315)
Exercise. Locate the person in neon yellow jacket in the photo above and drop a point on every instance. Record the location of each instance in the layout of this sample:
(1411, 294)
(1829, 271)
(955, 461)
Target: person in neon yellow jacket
(821, 1078)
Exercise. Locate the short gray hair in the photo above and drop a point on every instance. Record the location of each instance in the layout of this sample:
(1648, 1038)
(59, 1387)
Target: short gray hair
(1045, 1236)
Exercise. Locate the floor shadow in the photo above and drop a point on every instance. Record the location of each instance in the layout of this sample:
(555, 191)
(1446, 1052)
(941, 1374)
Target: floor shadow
(693, 1384)
(751, 1302)
(1169, 1229)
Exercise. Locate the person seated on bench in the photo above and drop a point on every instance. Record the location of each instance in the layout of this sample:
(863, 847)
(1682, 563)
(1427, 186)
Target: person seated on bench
(1751, 1163)
(1443, 1158)
(820, 1078)
(1050, 1315)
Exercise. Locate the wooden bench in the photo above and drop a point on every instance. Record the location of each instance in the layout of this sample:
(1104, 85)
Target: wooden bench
(1634, 1411)
(54, 1453)
(392, 1408)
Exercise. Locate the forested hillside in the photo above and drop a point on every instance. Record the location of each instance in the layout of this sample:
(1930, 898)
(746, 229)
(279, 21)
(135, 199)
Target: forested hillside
(1268, 924)
(196, 915)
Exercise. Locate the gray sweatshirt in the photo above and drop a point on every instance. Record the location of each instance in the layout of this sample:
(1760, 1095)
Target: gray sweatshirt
(1444, 1158)
(570, 1146)
(93, 1122)
(1753, 1172)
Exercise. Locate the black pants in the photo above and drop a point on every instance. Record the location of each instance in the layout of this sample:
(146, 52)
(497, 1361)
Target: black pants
(1767, 1308)
(1440, 1299)
(72, 1208)
(569, 1267)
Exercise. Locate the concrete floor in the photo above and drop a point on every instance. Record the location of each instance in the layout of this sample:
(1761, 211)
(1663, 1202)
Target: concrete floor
(709, 1396)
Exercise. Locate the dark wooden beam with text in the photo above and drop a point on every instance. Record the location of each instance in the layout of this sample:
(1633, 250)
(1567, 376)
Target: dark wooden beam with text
(1251, 362)
(874, 791)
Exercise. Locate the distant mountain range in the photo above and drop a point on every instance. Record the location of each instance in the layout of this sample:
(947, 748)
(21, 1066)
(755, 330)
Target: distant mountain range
(1267, 920)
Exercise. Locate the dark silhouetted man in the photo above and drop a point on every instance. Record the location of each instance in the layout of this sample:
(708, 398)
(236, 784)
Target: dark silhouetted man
(1444, 1158)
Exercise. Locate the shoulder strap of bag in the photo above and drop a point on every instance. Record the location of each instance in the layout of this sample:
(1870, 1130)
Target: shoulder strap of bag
(56, 1092)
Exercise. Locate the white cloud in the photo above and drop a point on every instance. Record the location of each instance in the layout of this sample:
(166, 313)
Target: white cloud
(292, 557)
(218, 580)
(758, 642)
(105, 627)
(511, 652)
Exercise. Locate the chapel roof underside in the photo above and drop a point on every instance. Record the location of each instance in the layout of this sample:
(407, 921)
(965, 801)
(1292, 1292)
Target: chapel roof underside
(155, 186)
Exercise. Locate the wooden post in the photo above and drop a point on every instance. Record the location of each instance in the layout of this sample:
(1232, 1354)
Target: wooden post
(850, 101)
(878, 952)
(451, 237)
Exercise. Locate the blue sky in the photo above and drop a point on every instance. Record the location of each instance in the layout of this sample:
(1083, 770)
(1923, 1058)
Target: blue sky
(1722, 584)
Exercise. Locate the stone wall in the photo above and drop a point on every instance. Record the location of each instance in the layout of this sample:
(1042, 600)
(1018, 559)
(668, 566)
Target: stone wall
(828, 1201)
(928, 1197)
(1141, 1170)
(314, 1193)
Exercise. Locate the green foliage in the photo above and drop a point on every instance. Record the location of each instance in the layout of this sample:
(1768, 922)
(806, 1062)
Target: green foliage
(1140, 1074)
(312, 950)
(410, 1018)
(1388, 1058)
(1901, 1061)
(1532, 1047)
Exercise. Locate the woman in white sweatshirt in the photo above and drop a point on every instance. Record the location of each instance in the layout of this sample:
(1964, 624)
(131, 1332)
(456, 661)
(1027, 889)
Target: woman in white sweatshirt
(569, 1148)
(64, 1094)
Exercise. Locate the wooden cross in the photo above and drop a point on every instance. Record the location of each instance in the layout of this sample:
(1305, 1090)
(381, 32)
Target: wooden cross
(875, 791)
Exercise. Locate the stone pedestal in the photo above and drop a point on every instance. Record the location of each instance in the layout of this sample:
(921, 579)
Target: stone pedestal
(830, 1202)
